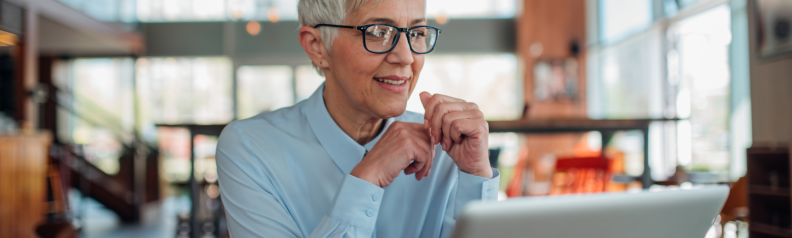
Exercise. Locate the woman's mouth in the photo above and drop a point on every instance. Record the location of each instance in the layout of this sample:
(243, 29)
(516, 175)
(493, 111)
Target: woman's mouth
(393, 83)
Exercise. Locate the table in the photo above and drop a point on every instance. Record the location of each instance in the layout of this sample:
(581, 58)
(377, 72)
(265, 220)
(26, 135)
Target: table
(606, 128)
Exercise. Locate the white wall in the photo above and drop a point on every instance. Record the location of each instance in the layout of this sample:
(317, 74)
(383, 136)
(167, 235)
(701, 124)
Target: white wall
(771, 92)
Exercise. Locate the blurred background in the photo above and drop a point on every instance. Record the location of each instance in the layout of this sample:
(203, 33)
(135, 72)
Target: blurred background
(110, 110)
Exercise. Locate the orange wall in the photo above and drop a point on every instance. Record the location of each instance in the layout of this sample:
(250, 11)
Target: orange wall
(555, 24)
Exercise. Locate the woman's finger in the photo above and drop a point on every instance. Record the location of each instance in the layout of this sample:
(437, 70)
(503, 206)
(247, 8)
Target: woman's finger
(451, 117)
(423, 151)
(418, 163)
(431, 162)
(468, 127)
(430, 105)
(437, 99)
(437, 118)
(412, 168)
(425, 97)
(428, 167)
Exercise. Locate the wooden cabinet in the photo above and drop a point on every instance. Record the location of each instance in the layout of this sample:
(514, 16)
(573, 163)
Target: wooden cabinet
(23, 166)
(769, 192)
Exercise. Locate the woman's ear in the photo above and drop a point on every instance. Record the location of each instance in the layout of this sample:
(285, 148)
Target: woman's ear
(311, 41)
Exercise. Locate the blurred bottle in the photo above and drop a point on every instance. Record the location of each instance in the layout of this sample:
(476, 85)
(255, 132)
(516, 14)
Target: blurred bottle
(741, 221)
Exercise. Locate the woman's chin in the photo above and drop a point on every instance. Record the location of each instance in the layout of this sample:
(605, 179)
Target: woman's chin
(389, 110)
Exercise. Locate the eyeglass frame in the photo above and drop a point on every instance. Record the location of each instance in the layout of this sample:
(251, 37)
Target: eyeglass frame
(363, 28)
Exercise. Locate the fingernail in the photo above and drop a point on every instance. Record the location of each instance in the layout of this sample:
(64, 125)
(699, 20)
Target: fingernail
(426, 124)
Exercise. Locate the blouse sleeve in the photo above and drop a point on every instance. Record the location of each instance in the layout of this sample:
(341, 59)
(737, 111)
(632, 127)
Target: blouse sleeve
(255, 209)
(468, 188)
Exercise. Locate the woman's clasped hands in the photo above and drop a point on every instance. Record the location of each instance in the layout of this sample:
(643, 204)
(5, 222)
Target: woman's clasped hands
(457, 126)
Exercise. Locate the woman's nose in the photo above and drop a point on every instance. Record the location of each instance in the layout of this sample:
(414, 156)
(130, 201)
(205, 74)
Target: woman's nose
(401, 53)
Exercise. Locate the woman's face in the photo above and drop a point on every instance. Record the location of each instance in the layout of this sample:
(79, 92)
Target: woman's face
(360, 74)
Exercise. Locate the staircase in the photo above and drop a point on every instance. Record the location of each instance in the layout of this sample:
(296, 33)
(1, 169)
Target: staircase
(124, 193)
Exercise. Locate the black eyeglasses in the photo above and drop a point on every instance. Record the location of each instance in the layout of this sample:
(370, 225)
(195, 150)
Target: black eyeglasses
(382, 38)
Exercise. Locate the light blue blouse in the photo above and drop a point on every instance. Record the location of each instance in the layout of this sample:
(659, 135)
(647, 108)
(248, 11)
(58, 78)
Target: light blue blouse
(286, 174)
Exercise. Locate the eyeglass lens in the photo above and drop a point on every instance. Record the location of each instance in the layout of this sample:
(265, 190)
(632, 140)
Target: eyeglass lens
(380, 38)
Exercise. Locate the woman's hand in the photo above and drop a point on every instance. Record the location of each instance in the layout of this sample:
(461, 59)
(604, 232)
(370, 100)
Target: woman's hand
(404, 146)
(461, 130)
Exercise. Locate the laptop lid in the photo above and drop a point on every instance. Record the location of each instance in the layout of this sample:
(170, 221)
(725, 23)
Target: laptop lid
(647, 214)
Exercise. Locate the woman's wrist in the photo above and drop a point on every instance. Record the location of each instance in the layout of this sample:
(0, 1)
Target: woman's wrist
(481, 170)
(365, 174)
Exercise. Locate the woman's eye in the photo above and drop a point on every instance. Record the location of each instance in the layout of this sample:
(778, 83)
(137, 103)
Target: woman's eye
(374, 31)
(377, 31)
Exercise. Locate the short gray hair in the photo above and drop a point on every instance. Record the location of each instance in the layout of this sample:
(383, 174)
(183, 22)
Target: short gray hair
(312, 12)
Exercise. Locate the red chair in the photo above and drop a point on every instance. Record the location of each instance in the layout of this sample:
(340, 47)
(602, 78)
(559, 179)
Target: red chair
(581, 175)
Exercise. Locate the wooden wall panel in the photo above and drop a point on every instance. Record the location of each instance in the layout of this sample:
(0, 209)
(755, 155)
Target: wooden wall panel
(8, 153)
(23, 165)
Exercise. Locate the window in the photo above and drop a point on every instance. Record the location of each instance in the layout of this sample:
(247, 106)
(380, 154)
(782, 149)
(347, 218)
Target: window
(471, 8)
(698, 71)
(97, 110)
(205, 165)
(491, 81)
(185, 90)
(625, 79)
(308, 80)
(189, 10)
(174, 146)
(677, 68)
(622, 18)
(286, 10)
(104, 10)
(263, 89)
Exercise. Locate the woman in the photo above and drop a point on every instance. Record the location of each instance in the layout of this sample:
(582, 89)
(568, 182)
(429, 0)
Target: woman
(338, 163)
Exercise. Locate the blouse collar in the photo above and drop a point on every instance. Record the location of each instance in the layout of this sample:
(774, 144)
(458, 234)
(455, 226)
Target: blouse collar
(345, 152)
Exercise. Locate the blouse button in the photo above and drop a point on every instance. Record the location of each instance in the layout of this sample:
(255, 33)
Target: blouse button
(370, 212)
(375, 197)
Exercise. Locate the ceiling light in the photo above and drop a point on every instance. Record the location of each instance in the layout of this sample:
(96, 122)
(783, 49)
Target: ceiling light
(253, 28)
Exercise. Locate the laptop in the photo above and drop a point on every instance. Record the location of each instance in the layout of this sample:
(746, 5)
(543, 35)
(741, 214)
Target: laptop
(679, 213)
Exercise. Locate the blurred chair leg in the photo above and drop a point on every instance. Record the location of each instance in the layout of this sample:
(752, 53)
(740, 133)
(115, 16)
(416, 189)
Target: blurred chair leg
(61, 229)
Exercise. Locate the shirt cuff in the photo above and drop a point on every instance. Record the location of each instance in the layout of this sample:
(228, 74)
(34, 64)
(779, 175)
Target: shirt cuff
(472, 188)
(358, 202)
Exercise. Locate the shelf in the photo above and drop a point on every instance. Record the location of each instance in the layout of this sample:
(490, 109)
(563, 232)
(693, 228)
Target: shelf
(569, 125)
(769, 204)
(767, 190)
(770, 230)
(768, 150)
